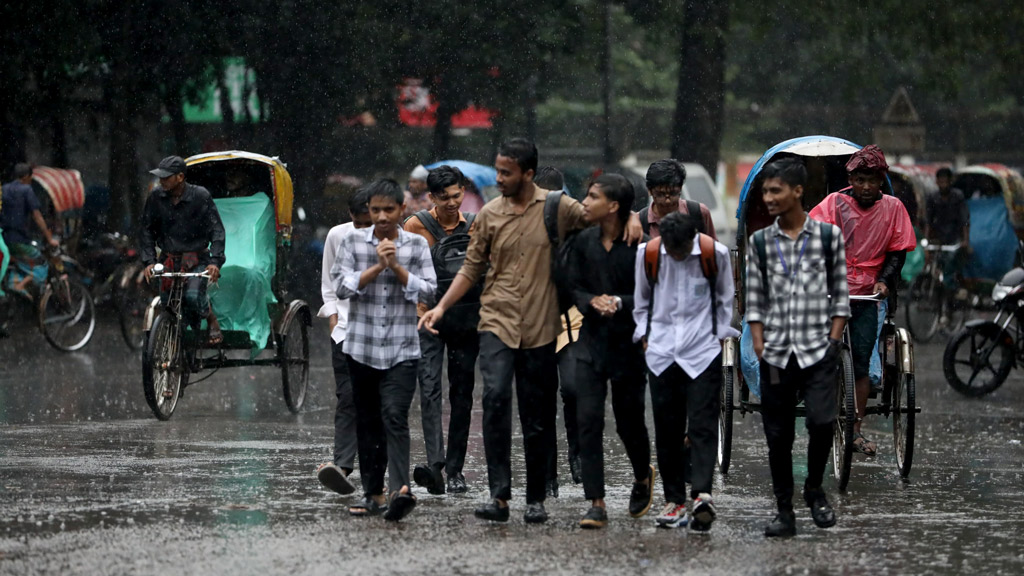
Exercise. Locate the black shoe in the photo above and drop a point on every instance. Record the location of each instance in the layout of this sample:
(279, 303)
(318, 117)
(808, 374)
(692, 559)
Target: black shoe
(492, 511)
(576, 469)
(642, 496)
(429, 477)
(703, 514)
(821, 511)
(596, 517)
(782, 526)
(535, 513)
(457, 484)
(551, 489)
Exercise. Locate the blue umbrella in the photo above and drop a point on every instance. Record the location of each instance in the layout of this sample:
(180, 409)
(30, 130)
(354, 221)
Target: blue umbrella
(483, 177)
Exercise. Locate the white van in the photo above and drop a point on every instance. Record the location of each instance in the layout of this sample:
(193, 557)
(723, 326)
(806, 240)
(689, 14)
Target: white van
(699, 186)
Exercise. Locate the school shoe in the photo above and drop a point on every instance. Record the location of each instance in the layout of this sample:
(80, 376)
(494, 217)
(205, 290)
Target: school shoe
(535, 513)
(596, 517)
(672, 516)
(429, 477)
(822, 513)
(783, 525)
(492, 511)
(576, 469)
(642, 496)
(334, 478)
(457, 484)
(703, 513)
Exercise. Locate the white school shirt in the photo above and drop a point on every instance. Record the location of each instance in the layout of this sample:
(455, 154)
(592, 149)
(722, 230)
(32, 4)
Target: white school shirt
(681, 323)
(333, 304)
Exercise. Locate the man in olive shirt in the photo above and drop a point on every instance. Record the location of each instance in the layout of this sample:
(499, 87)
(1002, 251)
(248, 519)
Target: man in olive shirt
(519, 322)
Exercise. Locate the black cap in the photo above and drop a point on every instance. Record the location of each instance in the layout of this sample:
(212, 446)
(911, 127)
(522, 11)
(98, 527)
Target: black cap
(169, 167)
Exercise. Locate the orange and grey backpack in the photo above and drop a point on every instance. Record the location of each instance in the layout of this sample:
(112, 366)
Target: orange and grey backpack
(708, 265)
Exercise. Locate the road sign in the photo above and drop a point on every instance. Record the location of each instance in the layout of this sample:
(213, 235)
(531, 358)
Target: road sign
(901, 130)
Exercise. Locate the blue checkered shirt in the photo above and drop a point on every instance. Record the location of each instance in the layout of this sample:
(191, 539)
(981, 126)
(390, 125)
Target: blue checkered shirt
(382, 316)
(799, 317)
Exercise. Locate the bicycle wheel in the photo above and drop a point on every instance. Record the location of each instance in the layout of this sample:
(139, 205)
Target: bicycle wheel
(293, 357)
(67, 314)
(978, 359)
(725, 418)
(164, 373)
(924, 307)
(133, 298)
(903, 415)
(842, 438)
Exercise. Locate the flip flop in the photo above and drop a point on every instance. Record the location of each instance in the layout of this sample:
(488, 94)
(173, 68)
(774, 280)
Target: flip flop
(214, 337)
(333, 478)
(368, 507)
(863, 445)
(400, 506)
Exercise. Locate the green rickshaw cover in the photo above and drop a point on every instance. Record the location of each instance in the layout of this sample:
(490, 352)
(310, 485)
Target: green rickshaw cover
(241, 296)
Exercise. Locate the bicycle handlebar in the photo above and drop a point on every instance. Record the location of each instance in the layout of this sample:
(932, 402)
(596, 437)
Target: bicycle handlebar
(158, 272)
(876, 297)
(928, 247)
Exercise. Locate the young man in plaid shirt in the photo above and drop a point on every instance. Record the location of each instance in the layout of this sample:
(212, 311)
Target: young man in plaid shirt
(797, 331)
(383, 271)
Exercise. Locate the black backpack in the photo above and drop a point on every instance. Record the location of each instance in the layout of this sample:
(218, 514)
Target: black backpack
(448, 253)
(692, 210)
(561, 255)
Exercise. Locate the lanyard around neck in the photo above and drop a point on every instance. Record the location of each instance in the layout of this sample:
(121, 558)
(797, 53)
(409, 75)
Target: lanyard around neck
(796, 265)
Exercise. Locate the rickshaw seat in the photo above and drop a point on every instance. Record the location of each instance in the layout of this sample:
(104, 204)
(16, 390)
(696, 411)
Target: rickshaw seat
(241, 297)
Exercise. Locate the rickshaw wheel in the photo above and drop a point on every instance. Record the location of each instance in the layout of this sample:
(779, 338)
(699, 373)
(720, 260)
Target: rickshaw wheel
(67, 314)
(842, 438)
(163, 366)
(293, 356)
(923, 307)
(132, 300)
(903, 415)
(725, 418)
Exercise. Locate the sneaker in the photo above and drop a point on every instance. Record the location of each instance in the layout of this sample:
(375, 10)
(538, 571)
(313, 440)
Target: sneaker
(821, 511)
(457, 484)
(782, 526)
(672, 516)
(596, 517)
(535, 513)
(492, 511)
(642, 496)
(429, 477)
(703, 513)
(334, 478)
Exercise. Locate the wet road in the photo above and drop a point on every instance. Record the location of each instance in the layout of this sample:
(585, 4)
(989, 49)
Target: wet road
(91, 483)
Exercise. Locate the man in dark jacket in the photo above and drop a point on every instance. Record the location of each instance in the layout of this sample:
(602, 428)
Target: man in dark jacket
(183, 221)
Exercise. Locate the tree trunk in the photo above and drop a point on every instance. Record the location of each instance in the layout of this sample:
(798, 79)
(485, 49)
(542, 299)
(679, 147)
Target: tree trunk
(443, 128)
(608, 150)
(58, 127)
(123, 163)
(700, 97)
(173, 102)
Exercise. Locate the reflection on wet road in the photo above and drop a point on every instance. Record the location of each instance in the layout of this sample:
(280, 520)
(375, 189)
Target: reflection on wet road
(91, 483)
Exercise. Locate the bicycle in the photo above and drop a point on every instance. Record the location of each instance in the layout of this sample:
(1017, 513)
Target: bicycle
(931, 304)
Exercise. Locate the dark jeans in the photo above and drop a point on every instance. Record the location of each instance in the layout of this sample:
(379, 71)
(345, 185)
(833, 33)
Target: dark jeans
(679, 400)
(863, 328)
(780, 392)
(345, 444)
(536, 383)
(628, 403)
(567, 388)
(382, 399)
(462, 355)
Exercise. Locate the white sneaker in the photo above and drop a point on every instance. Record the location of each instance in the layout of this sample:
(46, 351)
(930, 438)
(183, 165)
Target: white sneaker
(703, 512)
(672, 516)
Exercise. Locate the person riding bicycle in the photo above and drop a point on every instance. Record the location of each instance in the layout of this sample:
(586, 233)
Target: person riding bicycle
(878, 234)
(949, 222)
(20, 207)
(183, 221)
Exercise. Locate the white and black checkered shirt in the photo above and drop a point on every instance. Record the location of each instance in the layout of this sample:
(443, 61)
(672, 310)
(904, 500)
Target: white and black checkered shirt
(799, 317)
(382, 316)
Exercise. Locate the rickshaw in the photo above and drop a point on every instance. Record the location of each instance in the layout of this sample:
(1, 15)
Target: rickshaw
(825, 158)
(261, 324)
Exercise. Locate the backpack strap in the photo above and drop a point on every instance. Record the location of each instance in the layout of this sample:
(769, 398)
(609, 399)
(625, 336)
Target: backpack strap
(652, 262)
(709, 266)
(431, 224)
(470, 217)
(762, 257)
(645, 222)
(826, 248)
(694, 212)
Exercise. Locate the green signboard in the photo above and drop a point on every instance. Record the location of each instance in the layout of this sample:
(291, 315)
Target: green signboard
(239, 80)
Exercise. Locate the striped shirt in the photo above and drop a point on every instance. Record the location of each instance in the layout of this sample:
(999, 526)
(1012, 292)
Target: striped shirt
(382, 316)
(798, 319)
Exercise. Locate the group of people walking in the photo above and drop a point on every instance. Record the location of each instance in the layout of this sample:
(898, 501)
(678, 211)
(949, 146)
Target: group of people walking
(655, 293)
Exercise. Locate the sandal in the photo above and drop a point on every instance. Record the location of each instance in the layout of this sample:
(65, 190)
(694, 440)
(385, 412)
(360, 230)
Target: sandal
(400, 505)
(368, 507)
(863, 445)
(214, 337)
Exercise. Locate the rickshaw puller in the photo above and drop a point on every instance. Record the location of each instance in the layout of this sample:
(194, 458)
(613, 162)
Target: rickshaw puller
(796, 329)
(19, 207)
(183, 221)
(878, 233)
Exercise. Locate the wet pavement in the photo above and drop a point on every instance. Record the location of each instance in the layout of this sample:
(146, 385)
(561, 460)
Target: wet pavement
(92, 483)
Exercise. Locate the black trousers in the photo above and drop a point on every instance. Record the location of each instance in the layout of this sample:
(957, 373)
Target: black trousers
(567, 389)
(345, 444)
(685, 406)
(628, 404)
(383, 398)
(536, 383)
(781, 389)
(462, 353)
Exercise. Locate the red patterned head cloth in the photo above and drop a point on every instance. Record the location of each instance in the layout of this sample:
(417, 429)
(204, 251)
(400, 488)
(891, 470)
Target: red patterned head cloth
(869, 158)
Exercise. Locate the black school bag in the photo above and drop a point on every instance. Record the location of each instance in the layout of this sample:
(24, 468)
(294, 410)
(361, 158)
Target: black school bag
(448, 254)
(561, 256)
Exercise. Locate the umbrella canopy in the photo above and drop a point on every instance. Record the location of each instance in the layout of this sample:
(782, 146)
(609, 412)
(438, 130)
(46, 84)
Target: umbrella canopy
(802, 146)
(484, 177)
